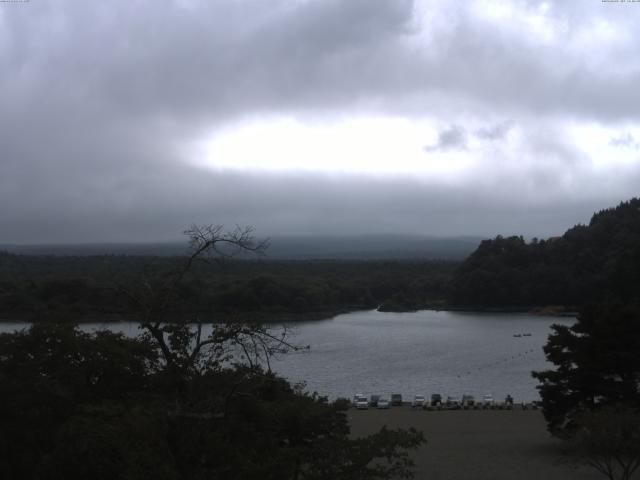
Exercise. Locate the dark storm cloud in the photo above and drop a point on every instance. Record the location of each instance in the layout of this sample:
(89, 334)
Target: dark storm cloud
(98, 99)
(216, 59)
(211, 59)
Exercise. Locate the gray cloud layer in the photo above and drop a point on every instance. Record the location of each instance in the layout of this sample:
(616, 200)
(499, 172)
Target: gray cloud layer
(98, 99)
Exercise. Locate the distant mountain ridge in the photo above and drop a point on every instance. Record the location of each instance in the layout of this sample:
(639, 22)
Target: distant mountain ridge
(589, 263)
(362, 247)
(372, 247)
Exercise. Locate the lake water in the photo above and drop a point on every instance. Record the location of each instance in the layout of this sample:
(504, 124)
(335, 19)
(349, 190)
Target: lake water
(425, 352)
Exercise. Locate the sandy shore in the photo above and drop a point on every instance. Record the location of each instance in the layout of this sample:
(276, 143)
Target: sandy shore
(478, 445)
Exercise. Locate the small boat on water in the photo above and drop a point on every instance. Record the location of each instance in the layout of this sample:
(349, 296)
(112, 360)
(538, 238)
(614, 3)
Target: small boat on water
(517, 335)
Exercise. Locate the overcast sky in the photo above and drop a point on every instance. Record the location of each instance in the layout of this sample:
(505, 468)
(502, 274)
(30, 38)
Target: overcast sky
(130, 120)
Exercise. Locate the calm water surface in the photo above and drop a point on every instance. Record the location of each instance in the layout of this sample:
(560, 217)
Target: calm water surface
(422, 352)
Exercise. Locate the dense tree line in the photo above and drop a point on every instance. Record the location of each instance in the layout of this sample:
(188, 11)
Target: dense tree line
(595, 262)
(589, 263)
(77, 288)
(75, 405)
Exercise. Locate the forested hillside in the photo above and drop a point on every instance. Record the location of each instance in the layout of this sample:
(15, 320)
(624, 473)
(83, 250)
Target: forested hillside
(589, 263)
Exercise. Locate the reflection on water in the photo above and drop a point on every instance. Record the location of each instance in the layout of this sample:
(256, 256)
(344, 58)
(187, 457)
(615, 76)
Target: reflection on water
(422, 352)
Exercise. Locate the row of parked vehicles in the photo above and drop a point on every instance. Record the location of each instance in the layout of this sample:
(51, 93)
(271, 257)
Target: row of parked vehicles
(437, 402)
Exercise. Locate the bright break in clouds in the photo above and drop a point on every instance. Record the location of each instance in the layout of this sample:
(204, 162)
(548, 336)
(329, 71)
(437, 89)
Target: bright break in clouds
(127, 121)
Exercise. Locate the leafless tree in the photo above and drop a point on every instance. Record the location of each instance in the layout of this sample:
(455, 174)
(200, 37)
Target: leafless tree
(184, 346)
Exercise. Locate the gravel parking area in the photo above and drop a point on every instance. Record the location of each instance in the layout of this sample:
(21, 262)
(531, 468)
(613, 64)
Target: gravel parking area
(478, 444)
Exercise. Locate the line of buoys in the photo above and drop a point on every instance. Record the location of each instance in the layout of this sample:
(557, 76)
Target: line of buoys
(499, 362)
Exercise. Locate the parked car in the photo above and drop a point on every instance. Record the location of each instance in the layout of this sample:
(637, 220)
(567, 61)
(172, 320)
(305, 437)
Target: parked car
(468, 401)
(488, 401)
(418, 401)
(323, 400)
(396, 399)
(383, 403)
(436, 400)
(452, 403)
(374, 400)
(360, 401)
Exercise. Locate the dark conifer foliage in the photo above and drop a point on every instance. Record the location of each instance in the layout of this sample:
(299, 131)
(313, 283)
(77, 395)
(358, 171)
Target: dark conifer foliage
(596, 262)
(597, 364)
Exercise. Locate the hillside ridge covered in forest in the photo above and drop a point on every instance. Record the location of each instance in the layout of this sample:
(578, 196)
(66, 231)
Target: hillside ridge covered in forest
(589, 263)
